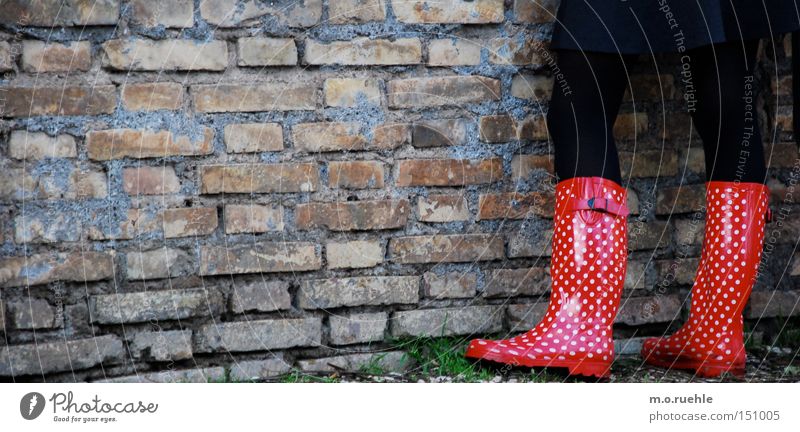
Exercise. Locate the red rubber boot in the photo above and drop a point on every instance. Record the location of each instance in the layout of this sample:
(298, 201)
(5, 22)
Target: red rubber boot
(590, 252)
(711, 342)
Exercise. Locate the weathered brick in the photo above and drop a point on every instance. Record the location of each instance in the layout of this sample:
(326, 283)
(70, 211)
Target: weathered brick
(252, 218)
(633, 202)
(159, 263)
(649, 163)
(523, 165)
(519, 51)
(678, 271)
(646, 310)
(446, 248)
(349, 92)
(58, 13)
(364, 51)
(533, 87)
(46, 357)
(255, 97)
(523, 317)
(682, 199)
(630, 126)
(18, 184)
(629, 346)
(39, 269)
(689, 232)
(448, 321)
(161, 346)
(535, 12)
(497, 128)
(59, 101)
(147, 180)
(38, 145)
(442, 91)
(261, 296)
(38, 56)
(784, 120)
(147, 306)
(254, 370)
(782, 155)
(120, 143)
(635, 275)
(253, 137)
(358, 291)
(167, 13)
(7, 57)
(533, 128)
(515, 205)
(354, 254)
(358, 328)
(531, 243)
(387, 361)
(694, 159)
(30, 313)
(356, 11)
(531, 281)
(449, 285)
(677, 126)
(236, 13)
(442, 132)
(263, 51)
(453, 52)
(197, 375)
(781, 85)
(442, 208)
(355, 174)
(136, 222)
(259, 178)
(651, 87)
(46, 228)
(448, 172)
(265, 257)
(448, 11)
(79, 184)
(189, 222)
(262, 335)
(328, 137)
(767, 304)
(152, 96)
(165, 55)
(389, 136)
(76, 320)
(649, 235)
(352, 215)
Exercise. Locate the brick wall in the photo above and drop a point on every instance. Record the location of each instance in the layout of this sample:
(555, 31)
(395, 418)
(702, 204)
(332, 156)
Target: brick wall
(192, 188)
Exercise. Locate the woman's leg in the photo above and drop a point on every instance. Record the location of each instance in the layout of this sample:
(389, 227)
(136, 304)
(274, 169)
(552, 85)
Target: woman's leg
(582, 113)
(725, 115)
(590, 240)
(711, 341)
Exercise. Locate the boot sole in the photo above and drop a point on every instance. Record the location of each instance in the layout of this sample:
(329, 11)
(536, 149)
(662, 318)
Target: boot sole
(704, 369)
(589, 368)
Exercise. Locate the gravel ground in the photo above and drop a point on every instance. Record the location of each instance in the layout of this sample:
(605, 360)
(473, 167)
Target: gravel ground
(763, 365)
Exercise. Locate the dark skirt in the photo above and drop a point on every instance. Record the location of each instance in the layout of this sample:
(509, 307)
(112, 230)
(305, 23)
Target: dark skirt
(651, 26)
(644, 26)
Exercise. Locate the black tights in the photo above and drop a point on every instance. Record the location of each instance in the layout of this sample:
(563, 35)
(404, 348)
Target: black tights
(585, 103)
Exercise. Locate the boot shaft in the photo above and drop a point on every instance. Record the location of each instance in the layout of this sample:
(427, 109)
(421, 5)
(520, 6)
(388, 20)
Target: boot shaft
(732, 245)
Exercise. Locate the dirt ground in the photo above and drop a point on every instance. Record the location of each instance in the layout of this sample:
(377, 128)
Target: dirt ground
(763, 365)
